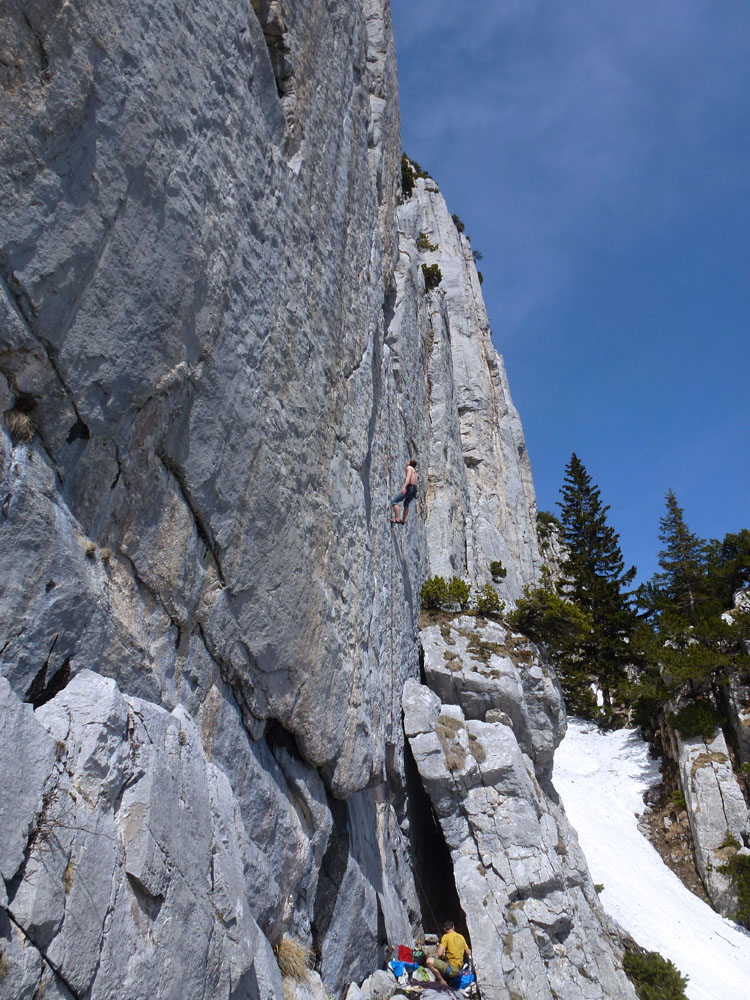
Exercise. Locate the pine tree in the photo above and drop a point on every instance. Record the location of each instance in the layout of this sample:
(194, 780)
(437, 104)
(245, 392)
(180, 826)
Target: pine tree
(681, 584)
(697, 646)
(595, 578)
(728, 566)
(564, 630)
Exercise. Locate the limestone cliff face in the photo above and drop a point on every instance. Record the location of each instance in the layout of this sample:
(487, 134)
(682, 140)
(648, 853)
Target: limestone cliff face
(480, 501)
(199, 235)
(216, 356)
(193, 274)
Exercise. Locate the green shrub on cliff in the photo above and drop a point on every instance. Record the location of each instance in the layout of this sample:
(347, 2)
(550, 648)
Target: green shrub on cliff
(432, 276)
(497, 570)
(654, 977)
(488, 604)
(563, 628)
(459, 592)
(697, 718)
(407, 176)
(423, 243)
(410, 170)
(438, 595)
(546, 524)
(434, 593)
(737, 869)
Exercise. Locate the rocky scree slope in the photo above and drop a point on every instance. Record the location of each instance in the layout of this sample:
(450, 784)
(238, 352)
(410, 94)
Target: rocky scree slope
(216, 355)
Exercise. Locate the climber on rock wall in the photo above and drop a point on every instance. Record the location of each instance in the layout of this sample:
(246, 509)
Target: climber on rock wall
(407, 494)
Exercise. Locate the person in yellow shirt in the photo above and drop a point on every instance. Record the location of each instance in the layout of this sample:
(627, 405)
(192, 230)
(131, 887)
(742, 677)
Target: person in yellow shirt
(451, 953)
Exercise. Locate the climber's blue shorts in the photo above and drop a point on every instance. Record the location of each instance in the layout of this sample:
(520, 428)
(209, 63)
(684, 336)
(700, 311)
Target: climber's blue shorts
(405, 498)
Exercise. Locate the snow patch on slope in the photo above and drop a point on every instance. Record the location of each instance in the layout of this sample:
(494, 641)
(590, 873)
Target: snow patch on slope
(601, 778)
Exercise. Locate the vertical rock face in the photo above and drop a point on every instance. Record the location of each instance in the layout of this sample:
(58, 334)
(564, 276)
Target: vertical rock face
(216, 356)
(716, 808)
(193, 269)
(199, 238)
(480, 494)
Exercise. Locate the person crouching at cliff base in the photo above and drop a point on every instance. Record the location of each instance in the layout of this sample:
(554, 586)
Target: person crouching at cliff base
(451, 951)
(407, 494)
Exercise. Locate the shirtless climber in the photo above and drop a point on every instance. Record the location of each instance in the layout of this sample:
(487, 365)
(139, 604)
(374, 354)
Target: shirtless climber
(451, 952)
(407, 494)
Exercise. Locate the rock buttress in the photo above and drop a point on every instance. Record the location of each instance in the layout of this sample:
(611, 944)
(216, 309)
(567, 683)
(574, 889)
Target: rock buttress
(483, 734)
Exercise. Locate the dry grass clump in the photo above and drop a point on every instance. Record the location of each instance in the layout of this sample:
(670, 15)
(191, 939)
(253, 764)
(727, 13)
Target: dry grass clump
(67, 875)
(476, 749)
(455, 759)
(447, 726)
(294, 959)
(20, 426)
(452, 660)
(445, 632)
(447, 729)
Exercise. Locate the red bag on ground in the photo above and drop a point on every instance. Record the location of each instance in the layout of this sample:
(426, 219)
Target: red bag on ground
(404, 954)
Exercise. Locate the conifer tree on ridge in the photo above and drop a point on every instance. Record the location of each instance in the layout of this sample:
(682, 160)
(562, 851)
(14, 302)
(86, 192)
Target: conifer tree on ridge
(682, 560)
(595, 577)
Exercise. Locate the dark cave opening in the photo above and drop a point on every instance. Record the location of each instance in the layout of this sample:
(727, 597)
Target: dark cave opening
(431, 859)
(332, 870)
(41, 690)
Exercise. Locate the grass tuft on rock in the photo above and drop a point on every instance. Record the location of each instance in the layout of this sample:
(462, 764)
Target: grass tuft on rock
(476, 749)
(20, 426)
(294, 959)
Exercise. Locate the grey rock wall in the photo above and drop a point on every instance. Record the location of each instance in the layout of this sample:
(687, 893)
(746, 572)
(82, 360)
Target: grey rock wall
(480, 499)
(717, 811)
(134, 875)
(193, 273)
(198, 245)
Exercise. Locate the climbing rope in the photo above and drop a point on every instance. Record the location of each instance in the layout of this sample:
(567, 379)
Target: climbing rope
(391, 582)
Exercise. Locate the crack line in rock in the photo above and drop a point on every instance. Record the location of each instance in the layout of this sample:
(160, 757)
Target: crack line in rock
(43, 954)
(8, 280)
(203, 531)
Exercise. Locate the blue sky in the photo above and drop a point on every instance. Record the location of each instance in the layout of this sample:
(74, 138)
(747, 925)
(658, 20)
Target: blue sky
(598, 152)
